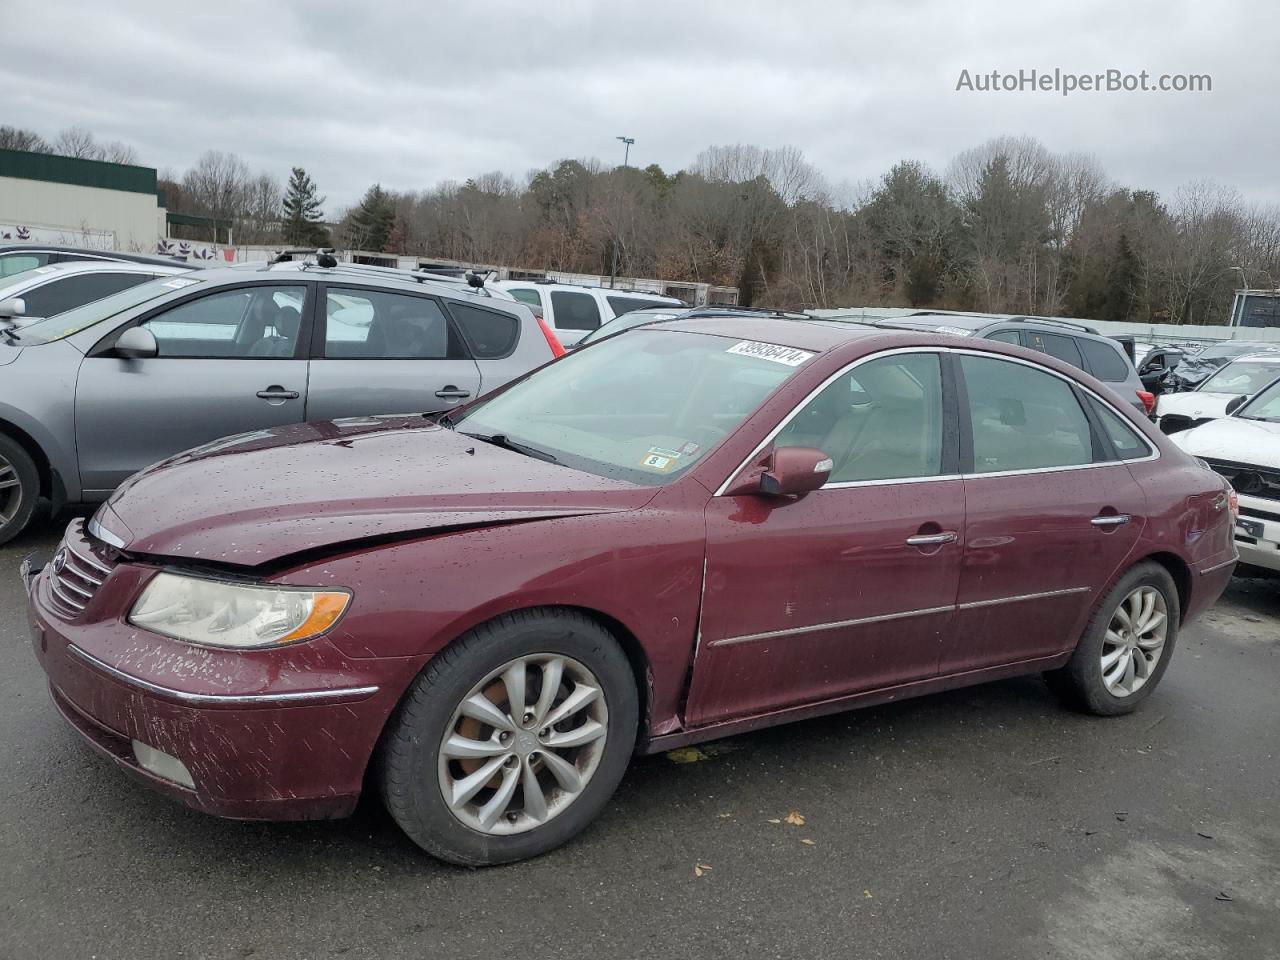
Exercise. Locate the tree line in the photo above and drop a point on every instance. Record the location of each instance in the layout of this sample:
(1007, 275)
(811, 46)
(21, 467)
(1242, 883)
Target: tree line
(1006, 227)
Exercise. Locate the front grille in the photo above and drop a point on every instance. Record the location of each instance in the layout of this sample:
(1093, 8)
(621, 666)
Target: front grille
(1248, 479)
(77, 570)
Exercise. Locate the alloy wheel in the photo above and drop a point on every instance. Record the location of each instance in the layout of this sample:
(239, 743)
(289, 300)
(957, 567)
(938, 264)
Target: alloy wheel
(1134, 641)
(10, 491)
(523, 744)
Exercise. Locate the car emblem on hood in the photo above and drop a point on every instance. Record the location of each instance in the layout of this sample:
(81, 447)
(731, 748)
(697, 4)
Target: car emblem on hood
(59, 560)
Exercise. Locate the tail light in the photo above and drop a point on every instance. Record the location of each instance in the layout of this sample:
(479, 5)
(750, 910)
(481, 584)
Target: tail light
(1148, 400)
(557, 349)
(1233, 504)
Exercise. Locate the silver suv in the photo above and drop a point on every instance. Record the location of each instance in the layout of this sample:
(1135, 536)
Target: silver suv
(94, 394)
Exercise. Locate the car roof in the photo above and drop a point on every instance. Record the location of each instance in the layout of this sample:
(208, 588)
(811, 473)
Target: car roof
(813, 335)
(109, 255)
(52, 270)
(399, 280)
(1273, 357)
(929, 320)
(607, 291)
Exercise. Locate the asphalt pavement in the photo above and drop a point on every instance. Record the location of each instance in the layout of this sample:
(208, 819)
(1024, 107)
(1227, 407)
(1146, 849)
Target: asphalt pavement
(982, 823)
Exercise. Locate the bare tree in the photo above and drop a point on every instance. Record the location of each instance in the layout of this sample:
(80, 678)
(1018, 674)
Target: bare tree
(77, 142)
(15, 138)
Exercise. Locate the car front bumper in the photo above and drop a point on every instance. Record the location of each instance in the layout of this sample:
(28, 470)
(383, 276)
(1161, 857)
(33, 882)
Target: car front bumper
(1257, 533)
(282, 734)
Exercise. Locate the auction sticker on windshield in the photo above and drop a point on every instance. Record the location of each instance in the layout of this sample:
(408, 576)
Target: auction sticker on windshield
(789, 356)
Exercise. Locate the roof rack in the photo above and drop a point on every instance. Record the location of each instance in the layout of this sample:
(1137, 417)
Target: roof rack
(1055, 322)
(711, 310)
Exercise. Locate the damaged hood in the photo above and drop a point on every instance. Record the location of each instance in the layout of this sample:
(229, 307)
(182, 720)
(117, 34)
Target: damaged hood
(1234, 439)
(1194, 405)
(258, 497)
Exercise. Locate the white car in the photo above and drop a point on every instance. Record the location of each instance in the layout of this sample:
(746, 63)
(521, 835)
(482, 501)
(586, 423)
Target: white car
(50, 290)
(574, 311)
(1239, 378)
(1245, 448)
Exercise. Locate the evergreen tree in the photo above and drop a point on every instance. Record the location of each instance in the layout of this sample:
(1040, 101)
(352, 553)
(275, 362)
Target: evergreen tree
(302, 212)
(372, 221)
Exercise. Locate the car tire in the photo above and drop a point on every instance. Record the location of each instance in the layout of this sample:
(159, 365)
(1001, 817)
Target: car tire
(17, 503)
(1098, 679)
(416, 769)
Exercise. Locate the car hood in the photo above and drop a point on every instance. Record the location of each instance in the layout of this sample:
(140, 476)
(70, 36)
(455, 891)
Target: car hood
(1195, 405)
(260, 497)
(1235, 439)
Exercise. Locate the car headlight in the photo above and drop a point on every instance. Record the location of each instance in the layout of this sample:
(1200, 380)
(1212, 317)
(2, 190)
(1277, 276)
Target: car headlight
(219, 613)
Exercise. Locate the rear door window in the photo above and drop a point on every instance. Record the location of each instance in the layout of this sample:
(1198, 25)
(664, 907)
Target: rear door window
(1105, 362)
(370, 325)
(1056, 345)
(574, 311)
(1023, 418)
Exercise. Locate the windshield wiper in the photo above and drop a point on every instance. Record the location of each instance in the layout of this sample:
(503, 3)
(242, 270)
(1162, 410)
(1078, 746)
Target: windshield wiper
(502, 440)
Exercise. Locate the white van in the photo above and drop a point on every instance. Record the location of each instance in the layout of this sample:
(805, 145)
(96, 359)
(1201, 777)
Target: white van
(574, 311)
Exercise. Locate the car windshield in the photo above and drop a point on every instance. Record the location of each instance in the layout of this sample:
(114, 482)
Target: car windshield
(1265, 406)
(1243, 376)
(80, 318)
(622, 323)
(642, 408)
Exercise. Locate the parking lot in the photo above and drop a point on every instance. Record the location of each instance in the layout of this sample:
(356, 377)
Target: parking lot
(984, 822)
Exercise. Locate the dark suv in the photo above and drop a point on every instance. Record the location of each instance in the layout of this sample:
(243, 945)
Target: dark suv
(1073, 343)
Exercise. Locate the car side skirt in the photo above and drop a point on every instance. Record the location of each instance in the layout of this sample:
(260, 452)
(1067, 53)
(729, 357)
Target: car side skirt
(867, 698)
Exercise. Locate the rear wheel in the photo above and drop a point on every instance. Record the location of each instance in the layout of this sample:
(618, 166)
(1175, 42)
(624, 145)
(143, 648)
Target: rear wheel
(19, 488)
(512, 739)
(1126, 646)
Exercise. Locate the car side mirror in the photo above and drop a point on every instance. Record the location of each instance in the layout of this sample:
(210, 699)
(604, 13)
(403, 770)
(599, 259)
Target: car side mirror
(1235, 403)
(137, 343)
(787, 472)
(13, 307)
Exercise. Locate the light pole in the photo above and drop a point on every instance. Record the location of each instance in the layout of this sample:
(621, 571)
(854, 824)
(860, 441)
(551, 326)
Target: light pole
(626, 156)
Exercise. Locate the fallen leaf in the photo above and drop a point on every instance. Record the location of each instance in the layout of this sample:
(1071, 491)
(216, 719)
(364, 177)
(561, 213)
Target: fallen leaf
(700, 868)
(686, 755)
(867, 894)
(725, 815)
(774, 820)
(807, 842)
(795, 819)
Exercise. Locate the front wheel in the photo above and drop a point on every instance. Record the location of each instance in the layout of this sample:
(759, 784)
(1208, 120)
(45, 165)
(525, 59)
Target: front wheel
(1126, 646)
(512, 739)
(19, 488)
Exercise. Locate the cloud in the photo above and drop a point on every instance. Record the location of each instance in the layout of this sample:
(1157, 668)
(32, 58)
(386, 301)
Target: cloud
(409, 94)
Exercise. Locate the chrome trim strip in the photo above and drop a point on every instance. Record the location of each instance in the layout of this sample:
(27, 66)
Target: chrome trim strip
(1111, 521)
(974, 604)
(74, 604)
(885, 617)
(307, 696)
(68, 585)
(794, 631)
(1109, 404)
(1219, 566)
(87, 561)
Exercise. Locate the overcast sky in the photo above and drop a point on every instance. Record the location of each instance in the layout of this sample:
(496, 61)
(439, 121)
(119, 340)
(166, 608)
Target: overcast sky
(411, 93)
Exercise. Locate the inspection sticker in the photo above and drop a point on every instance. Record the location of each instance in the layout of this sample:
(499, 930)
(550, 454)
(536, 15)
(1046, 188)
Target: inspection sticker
(177, 283)
(789, 356)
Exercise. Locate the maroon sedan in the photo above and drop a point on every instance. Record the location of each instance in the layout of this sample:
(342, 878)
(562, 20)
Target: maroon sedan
(689, 531)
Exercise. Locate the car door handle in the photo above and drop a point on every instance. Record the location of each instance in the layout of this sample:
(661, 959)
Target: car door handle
(278, 393)
(1111, 520)
(931, 539)
(452, 393)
